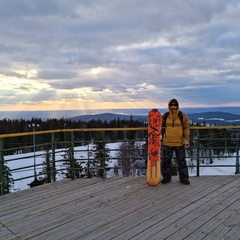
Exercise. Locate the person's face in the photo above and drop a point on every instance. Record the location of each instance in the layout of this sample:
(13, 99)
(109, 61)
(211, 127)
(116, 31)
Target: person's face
(173, 105)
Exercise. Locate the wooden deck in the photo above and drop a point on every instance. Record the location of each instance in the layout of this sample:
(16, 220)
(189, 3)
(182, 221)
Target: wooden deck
(124, 208)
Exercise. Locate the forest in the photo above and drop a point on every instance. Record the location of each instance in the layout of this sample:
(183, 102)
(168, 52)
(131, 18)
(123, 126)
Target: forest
(8, 126)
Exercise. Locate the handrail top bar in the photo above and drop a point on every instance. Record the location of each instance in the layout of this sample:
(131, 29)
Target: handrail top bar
(104, 129)
(72, 130)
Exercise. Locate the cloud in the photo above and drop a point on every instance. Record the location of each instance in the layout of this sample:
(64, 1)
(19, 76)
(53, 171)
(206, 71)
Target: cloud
(112, 53)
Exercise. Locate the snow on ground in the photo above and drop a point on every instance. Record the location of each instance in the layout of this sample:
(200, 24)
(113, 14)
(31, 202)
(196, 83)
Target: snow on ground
(81, 152)
(212, 169)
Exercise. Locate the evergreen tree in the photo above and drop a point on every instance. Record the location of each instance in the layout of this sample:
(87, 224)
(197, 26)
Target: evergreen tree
(101, 156)
(46, 173)
(47, 167)
(8, 180)
(71, 167)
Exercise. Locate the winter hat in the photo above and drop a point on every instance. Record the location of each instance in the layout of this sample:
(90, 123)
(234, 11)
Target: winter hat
(173, 101)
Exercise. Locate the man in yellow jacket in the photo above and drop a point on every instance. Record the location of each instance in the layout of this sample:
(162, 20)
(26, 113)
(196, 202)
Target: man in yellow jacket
(175, 138)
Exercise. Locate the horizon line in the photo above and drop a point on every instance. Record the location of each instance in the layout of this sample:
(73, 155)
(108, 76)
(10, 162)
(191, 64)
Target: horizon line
(100, 109)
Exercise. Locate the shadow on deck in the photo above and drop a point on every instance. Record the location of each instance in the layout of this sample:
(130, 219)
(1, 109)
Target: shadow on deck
(124, 208)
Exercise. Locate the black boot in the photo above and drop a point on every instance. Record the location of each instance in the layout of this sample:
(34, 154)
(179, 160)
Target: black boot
(165, 180)
(185, 181)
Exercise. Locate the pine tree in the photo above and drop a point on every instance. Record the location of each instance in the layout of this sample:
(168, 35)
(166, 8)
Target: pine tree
(101, 156)
(72, 168)
(8, 180)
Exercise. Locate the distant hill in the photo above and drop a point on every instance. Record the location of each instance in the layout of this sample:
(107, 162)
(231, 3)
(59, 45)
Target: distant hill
(215, 118)
(212, 118)
(108, 117)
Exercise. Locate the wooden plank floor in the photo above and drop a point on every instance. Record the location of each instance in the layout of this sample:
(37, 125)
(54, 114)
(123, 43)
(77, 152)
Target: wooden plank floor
(124, 208)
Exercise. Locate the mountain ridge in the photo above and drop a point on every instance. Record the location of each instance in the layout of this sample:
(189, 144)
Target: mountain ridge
(217, 118)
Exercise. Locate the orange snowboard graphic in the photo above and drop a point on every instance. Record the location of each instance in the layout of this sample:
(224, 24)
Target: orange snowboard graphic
(154, 132)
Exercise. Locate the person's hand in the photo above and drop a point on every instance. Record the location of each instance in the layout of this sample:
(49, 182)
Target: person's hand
(185, 143)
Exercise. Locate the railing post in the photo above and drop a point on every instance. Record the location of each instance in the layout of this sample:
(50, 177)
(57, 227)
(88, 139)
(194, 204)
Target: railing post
(72, 159)
(103, 161)
(237, 154)
(198, 154)
(88, 162)
(2, 179)
(53, 157)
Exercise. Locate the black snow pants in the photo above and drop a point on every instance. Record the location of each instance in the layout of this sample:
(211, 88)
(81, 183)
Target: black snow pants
(166, 162)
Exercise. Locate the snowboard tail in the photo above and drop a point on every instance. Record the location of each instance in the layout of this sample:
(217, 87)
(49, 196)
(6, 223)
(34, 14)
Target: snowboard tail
(154, 132)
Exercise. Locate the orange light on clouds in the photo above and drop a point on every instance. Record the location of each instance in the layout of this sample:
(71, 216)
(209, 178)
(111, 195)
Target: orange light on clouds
(77, 105)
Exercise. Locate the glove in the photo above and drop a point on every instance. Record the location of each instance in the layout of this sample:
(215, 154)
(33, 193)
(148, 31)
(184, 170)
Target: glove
(185, 143)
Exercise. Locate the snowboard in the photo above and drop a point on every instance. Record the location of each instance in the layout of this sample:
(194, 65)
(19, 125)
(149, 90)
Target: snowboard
(154, 132)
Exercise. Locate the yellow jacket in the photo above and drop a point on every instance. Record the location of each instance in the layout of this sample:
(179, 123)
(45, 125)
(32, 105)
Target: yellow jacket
(175, 131)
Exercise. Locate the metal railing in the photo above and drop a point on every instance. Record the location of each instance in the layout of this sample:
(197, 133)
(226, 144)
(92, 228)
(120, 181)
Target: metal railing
(54, 157)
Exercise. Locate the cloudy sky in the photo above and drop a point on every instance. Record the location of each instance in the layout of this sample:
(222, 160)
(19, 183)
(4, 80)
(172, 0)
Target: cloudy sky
(100, 54)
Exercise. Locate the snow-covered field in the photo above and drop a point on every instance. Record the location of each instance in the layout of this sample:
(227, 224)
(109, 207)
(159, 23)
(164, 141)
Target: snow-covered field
(212, 169)
(27, 159)
(82, 153)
